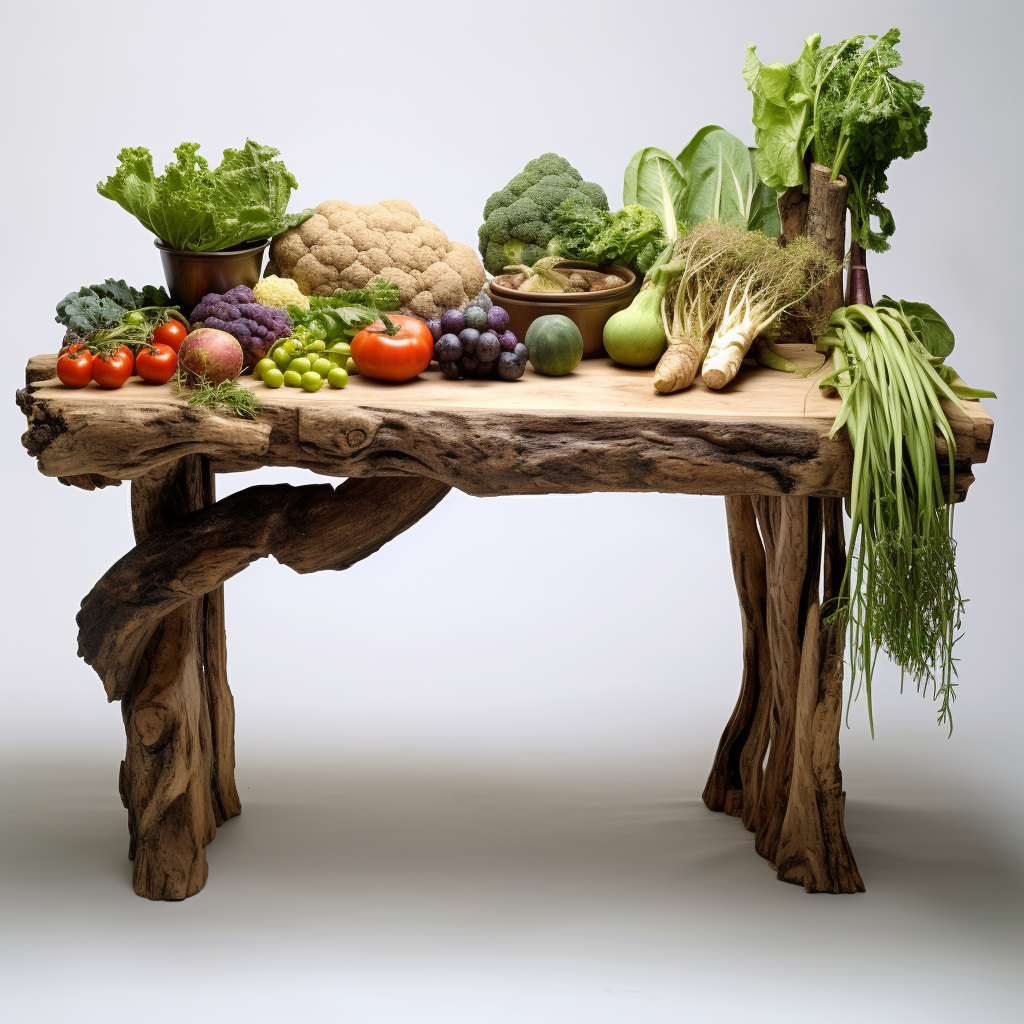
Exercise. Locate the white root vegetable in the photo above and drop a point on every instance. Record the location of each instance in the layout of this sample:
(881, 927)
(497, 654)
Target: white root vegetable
(735, 284)
(726, 355)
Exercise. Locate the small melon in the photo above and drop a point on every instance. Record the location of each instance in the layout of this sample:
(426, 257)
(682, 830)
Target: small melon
(555, 345)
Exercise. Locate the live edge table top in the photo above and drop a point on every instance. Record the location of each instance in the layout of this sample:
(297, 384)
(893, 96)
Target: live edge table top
(601, 428)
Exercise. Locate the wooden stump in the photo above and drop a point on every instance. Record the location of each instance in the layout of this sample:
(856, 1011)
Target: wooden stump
(790, 701)
(153, 629)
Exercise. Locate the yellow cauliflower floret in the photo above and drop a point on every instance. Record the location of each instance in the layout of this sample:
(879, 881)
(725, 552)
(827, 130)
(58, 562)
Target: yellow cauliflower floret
(279, 291)
(345, 246)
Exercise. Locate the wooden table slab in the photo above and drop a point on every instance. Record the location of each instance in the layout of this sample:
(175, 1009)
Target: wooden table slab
(603, 427)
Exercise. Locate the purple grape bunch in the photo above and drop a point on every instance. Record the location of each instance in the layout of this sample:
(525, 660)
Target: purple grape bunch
(476, 342)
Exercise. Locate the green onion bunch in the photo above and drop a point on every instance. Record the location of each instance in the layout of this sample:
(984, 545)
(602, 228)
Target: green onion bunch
(901, 592)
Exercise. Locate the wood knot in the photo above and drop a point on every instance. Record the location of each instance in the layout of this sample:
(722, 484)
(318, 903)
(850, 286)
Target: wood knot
(321, 428)
(154, 726)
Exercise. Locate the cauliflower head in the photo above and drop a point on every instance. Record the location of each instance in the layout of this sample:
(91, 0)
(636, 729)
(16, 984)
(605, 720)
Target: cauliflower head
(346, 246)
(519, 219)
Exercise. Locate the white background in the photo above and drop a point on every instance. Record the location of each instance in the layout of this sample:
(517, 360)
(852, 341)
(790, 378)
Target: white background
(470, 766)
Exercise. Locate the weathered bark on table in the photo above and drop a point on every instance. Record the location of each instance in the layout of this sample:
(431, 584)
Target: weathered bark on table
(481, 451)
(153, 629)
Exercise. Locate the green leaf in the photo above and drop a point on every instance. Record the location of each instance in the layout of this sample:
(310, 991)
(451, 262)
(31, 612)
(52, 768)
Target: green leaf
(722, 184)
(194, 208)
(932, 331)
(865, 117)
(655, 180)
(783, 114)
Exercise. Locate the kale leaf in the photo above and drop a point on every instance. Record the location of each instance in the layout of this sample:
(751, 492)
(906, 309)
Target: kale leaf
(102, 305)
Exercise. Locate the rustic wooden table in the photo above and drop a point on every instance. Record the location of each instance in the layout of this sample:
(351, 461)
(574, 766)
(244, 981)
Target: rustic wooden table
(153, 627)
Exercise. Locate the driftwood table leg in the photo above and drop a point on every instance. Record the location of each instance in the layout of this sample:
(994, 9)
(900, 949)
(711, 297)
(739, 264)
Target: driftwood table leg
(153, 629)
(177, 778)
(777, 763)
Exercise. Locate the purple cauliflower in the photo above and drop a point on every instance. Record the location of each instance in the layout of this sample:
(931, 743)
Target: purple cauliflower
(256, 327)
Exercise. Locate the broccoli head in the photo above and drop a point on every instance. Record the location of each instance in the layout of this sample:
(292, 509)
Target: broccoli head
(519, 219)
(255, 326)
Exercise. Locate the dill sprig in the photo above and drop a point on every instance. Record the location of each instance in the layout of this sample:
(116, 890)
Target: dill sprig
(226, 396)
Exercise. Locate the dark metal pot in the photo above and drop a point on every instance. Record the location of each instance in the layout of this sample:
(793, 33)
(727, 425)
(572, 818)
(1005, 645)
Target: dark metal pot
(191, 275)
(589, 311)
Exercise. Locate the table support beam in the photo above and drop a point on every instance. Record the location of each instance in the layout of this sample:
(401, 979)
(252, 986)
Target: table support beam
(153, 629)
(777, 765)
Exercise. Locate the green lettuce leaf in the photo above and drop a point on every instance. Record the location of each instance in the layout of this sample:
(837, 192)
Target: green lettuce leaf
(783, 114)
(194, 208)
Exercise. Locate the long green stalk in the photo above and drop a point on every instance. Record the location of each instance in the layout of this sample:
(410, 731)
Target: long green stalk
(901, 590)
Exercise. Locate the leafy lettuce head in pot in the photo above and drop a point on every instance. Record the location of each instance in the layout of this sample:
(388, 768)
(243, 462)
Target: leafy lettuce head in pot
(197, 209)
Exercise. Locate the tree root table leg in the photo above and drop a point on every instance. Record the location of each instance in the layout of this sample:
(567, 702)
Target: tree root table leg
(777, 765)
(153, 629)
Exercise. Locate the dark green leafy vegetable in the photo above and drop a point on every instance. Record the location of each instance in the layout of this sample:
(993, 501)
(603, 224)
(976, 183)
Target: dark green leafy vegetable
(932, 331)
(843, 105)
(103, 305)
(597, 236)
(194, 208)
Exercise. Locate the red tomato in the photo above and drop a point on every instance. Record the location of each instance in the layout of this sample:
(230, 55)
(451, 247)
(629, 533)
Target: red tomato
(396, 353)
(74, 366)
(112, 371)
(156, 364)
(172, 333)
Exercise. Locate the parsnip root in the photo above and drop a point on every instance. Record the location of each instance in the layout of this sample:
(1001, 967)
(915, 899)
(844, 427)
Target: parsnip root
(725, 356)
(678, 365)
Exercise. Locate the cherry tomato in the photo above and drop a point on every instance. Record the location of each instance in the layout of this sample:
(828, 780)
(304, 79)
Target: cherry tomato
(112, 371)
(398, 351)
(156, 364)
(74, 366)
(172, 333)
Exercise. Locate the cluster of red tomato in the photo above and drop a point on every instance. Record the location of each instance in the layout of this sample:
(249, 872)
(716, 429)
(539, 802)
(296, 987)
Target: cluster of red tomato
(155, 362)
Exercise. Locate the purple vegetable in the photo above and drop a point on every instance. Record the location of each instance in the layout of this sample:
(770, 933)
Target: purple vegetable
(488, 348)
(497, 319)
(508, 342)
(453, 321)
(436, 330)
(484, 369)
(482, 300)
(522, 353)
(447, 349)
(254, 326)
(467, 364)
(468, 337)
(450, 370)
(509, 367)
